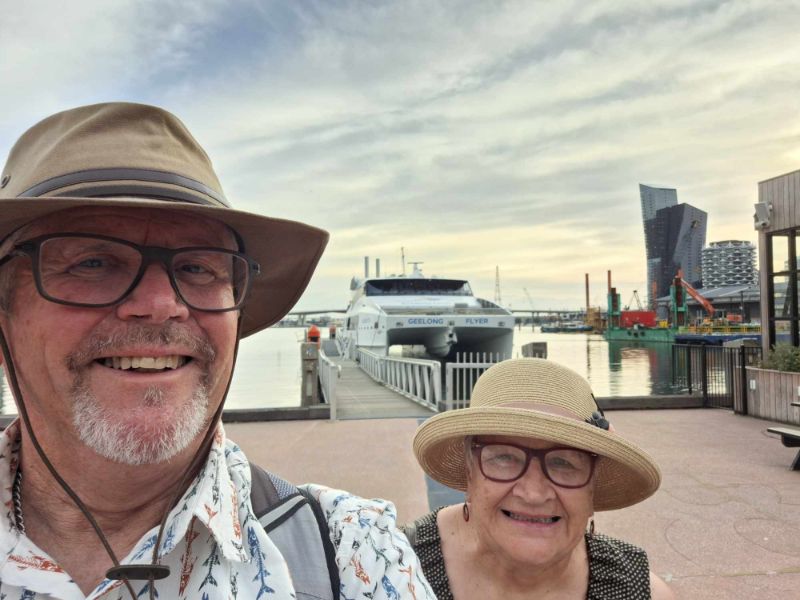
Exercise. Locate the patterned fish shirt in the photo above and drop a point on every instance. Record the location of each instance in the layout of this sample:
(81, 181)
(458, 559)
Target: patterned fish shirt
(215, 547)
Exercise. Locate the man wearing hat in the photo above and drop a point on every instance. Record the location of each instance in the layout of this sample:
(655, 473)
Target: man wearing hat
(126, 283)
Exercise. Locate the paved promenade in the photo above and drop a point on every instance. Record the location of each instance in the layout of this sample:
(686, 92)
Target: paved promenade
(724, 525)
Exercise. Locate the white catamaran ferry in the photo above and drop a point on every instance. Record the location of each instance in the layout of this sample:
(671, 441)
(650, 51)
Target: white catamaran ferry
(442, 315)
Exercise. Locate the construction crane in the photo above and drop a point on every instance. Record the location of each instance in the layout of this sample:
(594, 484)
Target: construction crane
(714, 316)
(635, 298)
(528, 296)
(698, 297)
(530, 302)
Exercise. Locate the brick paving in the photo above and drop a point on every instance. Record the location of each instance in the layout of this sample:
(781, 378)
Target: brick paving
(724, 525)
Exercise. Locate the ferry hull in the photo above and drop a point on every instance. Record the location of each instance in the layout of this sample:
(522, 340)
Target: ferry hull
(441, 336)
(446, 342)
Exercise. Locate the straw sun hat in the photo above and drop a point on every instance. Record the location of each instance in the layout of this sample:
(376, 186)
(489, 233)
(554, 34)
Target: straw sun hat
(133, 155)
(535, 398)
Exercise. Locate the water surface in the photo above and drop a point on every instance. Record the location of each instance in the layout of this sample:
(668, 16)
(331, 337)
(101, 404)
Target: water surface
(268, 370)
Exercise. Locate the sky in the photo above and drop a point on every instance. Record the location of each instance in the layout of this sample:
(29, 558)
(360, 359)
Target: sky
(476, 135)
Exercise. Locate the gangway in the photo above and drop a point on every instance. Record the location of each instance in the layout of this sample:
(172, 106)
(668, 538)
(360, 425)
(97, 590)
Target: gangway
(375, 387)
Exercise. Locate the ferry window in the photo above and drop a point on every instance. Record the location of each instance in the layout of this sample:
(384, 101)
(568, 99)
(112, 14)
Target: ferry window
(421, 287)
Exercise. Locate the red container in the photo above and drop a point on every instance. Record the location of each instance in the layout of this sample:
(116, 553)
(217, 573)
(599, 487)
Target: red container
(643, 318)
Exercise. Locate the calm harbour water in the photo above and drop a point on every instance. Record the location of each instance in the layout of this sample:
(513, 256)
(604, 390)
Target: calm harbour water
(268, 370)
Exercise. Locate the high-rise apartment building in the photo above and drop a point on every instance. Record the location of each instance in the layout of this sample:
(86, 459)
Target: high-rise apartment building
(674, 236)
(732, 262)
(653, 199)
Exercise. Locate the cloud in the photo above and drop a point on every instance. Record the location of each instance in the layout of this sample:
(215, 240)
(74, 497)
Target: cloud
(477, 133)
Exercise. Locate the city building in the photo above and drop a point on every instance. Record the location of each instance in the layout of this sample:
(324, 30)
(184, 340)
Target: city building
(731, 262)
(674, 238)
(653, 199)
(778, 223)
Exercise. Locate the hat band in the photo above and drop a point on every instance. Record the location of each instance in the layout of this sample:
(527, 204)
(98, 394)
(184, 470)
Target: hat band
(550, 409)
(191, 186)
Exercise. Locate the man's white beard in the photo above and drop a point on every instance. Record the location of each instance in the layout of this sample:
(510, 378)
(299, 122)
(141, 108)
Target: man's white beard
(103, 431)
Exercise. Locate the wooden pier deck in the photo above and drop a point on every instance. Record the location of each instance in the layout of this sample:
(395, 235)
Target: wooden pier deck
(358, 396)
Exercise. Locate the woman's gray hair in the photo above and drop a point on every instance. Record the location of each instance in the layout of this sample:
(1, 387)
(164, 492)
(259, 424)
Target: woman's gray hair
(469, 458)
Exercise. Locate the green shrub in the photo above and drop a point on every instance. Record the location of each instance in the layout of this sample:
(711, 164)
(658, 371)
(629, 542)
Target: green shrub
(783, 357)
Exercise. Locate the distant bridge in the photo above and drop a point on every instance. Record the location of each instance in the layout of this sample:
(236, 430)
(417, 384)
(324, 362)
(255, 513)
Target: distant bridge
(302, 314)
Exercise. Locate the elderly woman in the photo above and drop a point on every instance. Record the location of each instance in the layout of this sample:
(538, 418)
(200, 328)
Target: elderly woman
(536, 460)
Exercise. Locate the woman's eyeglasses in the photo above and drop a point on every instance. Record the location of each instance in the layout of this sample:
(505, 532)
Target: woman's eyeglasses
(565, 467)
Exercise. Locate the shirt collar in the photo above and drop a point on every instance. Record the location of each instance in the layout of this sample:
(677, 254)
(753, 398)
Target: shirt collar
(214, 499)
(9, 463)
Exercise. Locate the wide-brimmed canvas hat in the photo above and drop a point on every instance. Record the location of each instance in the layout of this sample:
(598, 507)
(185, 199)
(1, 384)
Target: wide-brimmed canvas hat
(133, 155)
(539, 399)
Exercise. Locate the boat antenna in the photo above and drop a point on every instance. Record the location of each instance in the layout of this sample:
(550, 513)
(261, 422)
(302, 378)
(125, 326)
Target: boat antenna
(403, 259)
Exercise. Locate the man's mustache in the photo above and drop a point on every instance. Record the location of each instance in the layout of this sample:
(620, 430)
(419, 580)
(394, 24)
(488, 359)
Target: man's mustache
(172, 334)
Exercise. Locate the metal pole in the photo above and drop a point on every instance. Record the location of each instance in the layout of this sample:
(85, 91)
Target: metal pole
(587, 295)
(743, 383)
(674, 364)
(689, 357)
(704, 374)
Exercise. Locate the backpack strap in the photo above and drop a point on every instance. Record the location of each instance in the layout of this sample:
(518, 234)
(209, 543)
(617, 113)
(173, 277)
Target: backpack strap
(263, 493)
(324, 533)
(296, 524)
(410, 531)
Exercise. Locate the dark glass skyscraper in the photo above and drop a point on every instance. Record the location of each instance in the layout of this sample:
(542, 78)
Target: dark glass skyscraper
(674, 237)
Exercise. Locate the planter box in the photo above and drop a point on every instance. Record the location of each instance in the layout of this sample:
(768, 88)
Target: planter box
(773, 394)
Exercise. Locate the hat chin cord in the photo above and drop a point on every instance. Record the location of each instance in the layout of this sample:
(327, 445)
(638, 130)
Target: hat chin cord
(125, 573)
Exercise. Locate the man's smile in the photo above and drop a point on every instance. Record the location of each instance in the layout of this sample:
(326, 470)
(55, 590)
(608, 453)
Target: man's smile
(147, 364)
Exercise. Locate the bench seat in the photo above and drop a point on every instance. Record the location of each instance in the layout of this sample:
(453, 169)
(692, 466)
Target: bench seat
(790, 437)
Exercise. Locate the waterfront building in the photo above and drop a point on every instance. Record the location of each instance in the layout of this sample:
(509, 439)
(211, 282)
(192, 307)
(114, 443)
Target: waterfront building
(677, 235)
(778, 224)
(730, 262)
(653, 199)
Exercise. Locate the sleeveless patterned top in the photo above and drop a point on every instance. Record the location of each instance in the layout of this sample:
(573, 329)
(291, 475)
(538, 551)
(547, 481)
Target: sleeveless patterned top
(617, 570)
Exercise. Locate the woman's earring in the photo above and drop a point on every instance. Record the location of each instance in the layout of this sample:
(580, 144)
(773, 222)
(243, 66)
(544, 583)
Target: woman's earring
(465, 511)
(591, 526)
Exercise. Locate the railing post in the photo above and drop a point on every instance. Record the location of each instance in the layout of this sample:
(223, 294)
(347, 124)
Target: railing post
(436, 382)
(743, 378)
(333, 375)
(689, 357)
(448, 396)
(674, 349)
(704, 374)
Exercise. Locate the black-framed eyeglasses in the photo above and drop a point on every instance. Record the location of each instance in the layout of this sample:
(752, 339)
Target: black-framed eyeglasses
(565, 467)
(86, 270)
